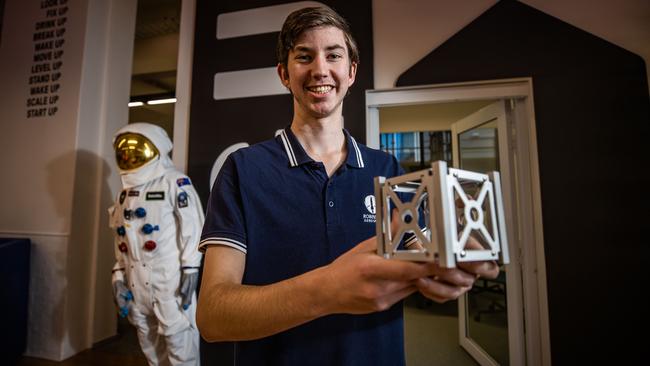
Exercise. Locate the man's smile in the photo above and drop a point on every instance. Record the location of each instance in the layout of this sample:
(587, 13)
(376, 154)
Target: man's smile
(320, 89)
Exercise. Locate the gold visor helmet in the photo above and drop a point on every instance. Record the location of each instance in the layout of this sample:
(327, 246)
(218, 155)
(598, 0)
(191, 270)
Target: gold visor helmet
(133, 150)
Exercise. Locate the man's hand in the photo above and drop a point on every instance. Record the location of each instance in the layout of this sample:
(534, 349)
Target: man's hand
(122, 296)
(361, 281)
(445, 284)
(189, 282)
(487, 269)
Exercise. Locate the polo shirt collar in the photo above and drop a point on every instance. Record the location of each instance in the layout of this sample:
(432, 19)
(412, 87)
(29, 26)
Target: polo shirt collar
(297, 155)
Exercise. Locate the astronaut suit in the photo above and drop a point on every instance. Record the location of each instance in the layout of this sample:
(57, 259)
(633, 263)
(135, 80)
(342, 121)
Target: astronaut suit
(157, 220)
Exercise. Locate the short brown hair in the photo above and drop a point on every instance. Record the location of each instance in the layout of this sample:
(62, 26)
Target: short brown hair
(307, 18)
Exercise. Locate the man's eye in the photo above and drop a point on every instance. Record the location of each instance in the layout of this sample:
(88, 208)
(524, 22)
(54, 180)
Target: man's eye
(303, 58)
(335, 56)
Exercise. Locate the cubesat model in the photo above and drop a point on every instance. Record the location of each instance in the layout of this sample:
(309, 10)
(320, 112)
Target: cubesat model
(449, 209)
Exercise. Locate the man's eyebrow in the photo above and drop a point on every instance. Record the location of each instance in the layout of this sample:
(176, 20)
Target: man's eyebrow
(300, 48)
(335, 47)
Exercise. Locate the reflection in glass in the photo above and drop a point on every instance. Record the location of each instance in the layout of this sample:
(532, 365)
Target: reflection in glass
(479, 148)
(487, 316)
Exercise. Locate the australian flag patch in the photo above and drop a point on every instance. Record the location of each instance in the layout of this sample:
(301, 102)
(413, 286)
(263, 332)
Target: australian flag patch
(183, 181)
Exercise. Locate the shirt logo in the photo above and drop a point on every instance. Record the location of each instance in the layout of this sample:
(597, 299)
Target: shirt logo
(371, 206)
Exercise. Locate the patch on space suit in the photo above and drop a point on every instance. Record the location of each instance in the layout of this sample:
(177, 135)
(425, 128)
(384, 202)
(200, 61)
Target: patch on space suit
(122, 197)
(183, 181)
(155, 196)
(182, 200)
(134, 193)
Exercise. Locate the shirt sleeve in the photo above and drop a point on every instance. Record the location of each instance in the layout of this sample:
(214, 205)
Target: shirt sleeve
(224, 223)
(189, 212)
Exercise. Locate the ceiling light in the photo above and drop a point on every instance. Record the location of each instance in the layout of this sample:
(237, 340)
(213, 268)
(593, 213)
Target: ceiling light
(135, 104)
(162, 101)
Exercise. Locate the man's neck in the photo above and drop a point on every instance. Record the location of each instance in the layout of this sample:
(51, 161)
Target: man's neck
(323, 140)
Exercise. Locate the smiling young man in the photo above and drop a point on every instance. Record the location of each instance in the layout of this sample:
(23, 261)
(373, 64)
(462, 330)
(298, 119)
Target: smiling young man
(291, 271)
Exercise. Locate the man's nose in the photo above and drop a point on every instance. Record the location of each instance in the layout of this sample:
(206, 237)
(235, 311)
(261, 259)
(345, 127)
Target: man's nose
(320, 68)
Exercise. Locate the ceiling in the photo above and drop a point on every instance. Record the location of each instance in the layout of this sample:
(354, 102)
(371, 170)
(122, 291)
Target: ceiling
(157, 18)
(155, 54)
(155, 48)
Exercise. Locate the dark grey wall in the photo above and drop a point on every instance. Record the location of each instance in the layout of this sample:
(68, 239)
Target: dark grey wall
(593, 114)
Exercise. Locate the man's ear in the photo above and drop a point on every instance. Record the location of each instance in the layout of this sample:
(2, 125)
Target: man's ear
(284, 75)
(353, 73)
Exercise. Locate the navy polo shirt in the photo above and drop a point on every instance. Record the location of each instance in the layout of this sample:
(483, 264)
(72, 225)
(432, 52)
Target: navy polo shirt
(277, 205)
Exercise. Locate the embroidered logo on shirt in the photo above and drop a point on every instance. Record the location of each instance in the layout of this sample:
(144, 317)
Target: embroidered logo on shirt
(371, 206)
(134, 193)
(157, 195)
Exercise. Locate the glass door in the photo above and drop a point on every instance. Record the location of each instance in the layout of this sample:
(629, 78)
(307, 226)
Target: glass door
(481, 145)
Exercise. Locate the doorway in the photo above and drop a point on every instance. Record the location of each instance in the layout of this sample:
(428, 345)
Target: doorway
(491, 125)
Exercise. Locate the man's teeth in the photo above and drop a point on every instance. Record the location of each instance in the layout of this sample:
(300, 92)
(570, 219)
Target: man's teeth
(322, 89)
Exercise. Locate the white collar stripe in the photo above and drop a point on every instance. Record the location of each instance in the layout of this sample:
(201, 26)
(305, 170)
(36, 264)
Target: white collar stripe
(357, 152)
(288, 149)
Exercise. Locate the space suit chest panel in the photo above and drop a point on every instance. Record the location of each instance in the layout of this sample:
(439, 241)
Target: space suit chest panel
(142, 215)
(149, 201)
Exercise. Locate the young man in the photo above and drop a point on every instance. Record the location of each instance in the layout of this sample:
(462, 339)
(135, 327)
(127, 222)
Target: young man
(289, 272)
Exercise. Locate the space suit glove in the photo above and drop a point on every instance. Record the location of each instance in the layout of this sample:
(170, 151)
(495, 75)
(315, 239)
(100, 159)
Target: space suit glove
(122, 296)
(189, 281)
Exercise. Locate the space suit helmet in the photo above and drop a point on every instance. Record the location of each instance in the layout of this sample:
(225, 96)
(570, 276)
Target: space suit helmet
(133, 150)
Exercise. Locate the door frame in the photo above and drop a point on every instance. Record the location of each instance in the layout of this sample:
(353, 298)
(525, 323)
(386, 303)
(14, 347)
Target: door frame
(531, 296)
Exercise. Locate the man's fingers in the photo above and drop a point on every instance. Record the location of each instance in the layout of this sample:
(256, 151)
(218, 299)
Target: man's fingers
(487, 269)
(397, 270)
(401, 294)
(452, 276)
(439, 291)
(473, 243)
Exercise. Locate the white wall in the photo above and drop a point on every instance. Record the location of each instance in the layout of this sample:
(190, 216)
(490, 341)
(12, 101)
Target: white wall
(407, 30)
(58, 176)
(37, 192)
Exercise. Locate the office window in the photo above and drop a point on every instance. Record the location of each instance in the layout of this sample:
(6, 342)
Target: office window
(416, 150)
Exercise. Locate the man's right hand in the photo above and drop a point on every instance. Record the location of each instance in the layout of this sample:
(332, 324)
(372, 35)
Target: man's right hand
(122, 296)
(361, 281)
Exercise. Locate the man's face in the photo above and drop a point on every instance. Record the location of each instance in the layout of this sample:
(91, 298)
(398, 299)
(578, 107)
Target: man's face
(318, 72)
